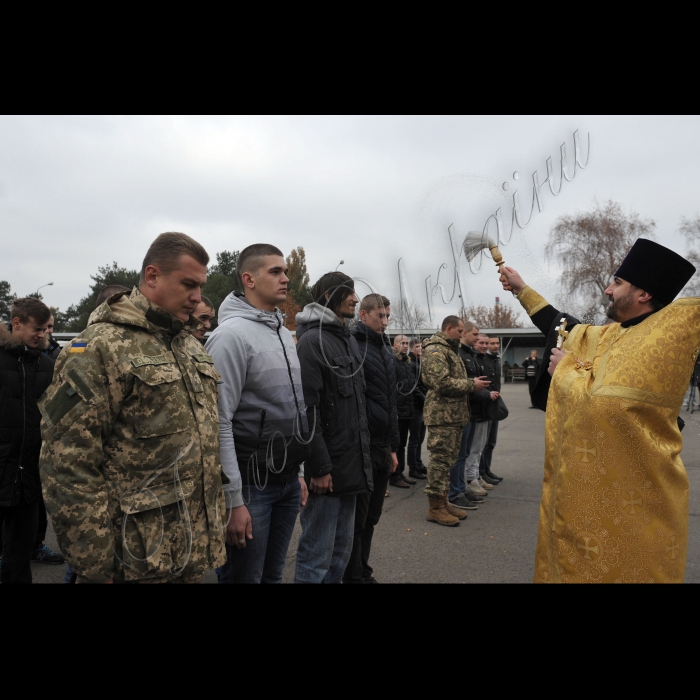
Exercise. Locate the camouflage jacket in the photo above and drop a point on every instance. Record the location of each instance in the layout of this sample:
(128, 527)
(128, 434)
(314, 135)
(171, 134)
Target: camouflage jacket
(443, 372)
(130, 456)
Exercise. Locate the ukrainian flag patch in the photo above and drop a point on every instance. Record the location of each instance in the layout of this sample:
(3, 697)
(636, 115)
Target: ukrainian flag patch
(78, 347)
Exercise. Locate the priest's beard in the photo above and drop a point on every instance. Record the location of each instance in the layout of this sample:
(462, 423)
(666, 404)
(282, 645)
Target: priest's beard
(617, 311)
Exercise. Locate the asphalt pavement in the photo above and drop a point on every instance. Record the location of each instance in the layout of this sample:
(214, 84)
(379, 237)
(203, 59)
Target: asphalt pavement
(495, 544)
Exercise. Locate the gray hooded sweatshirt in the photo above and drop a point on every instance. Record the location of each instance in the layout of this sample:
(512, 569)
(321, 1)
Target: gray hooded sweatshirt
(261, 404)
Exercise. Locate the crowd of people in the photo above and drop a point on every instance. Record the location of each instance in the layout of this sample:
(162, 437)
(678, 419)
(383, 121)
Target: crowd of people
(161, 452)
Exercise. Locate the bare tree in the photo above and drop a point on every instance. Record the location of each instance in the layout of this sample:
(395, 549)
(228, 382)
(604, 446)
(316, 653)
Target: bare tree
(690, 228)
(408, 315)
(496, 316)
(590, 246)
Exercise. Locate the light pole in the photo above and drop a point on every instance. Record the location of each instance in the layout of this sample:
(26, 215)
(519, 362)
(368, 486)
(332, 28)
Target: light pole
(342, 262)
(48, 284)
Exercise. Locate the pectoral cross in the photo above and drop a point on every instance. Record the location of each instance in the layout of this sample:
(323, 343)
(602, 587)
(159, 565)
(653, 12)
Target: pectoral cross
(563, 333)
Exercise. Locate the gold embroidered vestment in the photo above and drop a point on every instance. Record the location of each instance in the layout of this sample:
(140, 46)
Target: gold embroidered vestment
(615, 492)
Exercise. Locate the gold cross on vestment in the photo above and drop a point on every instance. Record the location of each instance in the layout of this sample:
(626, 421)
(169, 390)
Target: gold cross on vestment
(563, 333)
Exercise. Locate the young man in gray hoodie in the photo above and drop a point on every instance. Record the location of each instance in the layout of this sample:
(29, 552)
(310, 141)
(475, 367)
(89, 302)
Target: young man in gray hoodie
(262, 419)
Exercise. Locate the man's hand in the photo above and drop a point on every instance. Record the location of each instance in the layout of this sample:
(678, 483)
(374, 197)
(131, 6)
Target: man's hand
(511, 280)
(482, 383)
(321, 484)
(304, 492)
(557, 354)
(394, 462)
(239, 526)
(494, 395)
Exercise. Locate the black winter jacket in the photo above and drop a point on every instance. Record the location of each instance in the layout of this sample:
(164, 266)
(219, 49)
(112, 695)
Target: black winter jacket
(25, 374)
(54, 349)
(406, 383)
(492, 363)
(334, 392)
(380, 377)
(421, 390)
(478, 400)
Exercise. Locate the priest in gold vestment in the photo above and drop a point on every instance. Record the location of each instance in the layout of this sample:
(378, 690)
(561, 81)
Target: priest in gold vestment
(614, 503)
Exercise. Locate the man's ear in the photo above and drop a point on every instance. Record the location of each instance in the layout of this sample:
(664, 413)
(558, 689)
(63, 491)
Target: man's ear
(150, 275)
(644, 297)
(248, 280)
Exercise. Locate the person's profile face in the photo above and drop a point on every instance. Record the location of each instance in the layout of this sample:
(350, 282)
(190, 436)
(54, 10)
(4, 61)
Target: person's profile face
(271, 280)
(376, 319)
(206, 315)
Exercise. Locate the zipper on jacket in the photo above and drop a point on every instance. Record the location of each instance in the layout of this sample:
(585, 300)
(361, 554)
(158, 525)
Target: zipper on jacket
(24, 421)
(289, 367)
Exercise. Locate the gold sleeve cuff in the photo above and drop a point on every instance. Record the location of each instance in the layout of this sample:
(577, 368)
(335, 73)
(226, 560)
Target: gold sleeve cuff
(531, 301)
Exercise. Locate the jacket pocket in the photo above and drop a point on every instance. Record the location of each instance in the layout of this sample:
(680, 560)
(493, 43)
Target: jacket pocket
(205, 386)
(156, 529)
(155, 406)
(75, 396)
(343, 371)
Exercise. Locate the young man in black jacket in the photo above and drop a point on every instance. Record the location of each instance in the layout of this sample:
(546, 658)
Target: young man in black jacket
(338, 467)
(492, 363)
(479, 402)
(406, 382)
(25, 373)
(416, 434)
(380, 377)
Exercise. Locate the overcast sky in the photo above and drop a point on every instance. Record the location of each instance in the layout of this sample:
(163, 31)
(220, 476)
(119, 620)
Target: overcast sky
(80, 192)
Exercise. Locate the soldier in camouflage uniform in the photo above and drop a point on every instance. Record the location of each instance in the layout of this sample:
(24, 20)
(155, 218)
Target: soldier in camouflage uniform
(130, 455)
(446, 412)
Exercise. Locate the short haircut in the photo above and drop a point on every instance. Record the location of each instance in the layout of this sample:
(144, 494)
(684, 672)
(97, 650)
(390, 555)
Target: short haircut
(168, 248)
(207, 302)
(337, 285)
(470, 326)
(250, 259)
(453, 321)
(397, 339)
(373, 301)
(415, 341)
(30, 307)
(483, 335)
(109, 291)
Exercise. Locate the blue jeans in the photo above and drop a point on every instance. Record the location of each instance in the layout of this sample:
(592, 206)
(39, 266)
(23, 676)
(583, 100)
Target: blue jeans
(487, 454)
(457, 483)
(325, 545)
(273, 512)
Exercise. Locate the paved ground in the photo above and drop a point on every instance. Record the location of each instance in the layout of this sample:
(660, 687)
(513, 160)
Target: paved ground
(496, 544)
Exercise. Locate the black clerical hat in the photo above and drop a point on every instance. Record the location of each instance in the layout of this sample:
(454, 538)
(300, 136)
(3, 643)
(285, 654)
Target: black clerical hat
(656, 270)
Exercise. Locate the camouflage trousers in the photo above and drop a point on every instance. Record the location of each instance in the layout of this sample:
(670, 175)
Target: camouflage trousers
(443, 446)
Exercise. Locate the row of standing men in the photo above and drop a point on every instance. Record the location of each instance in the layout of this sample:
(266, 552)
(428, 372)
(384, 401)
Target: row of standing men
(159, 460)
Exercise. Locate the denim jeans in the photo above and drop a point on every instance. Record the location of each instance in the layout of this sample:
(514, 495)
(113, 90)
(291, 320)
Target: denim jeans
(368, 510)
(480, 433)
(487, 454)
(325, 545)
(457, 483)
(273, 513)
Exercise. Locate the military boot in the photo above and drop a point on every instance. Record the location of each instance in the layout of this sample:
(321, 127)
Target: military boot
(457, 512)
(438, 514)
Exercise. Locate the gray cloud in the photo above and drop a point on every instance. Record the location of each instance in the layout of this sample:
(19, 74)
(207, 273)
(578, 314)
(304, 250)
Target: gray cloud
(78, 192)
